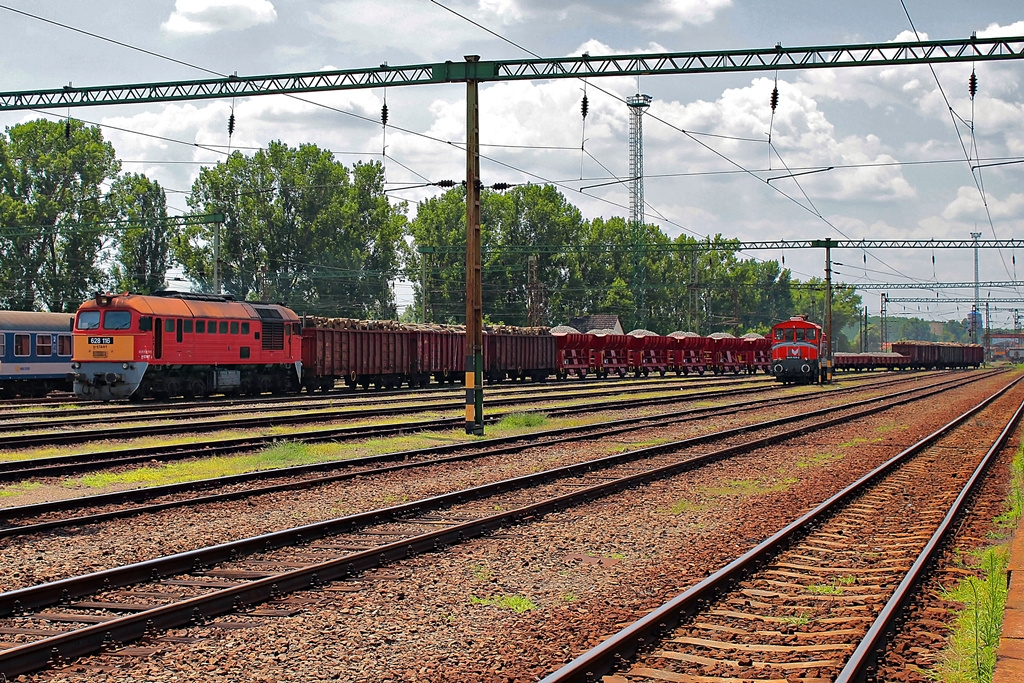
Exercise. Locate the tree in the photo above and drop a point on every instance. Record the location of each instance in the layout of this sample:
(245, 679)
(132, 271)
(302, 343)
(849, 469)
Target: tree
(142, 248)
(300, 228)
(50, 191)
(846, 307)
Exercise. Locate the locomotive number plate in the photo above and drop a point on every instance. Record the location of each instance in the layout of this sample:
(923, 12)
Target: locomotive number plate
(101, 340)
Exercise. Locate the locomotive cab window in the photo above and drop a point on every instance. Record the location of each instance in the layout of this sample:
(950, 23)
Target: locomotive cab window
(780, 334)
(89, 320)
(234, 328)
(200, 327)
(224, 327)
(799, 335)
(21, 345)
(245, 328)
(169, 325)
(63, 345)
(812, 334)
(117, 320)
(44, 344)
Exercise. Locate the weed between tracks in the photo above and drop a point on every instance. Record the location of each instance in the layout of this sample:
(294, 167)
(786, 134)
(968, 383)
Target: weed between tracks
(280, 455)
(970, 654)
(741, 488)
(516, 603)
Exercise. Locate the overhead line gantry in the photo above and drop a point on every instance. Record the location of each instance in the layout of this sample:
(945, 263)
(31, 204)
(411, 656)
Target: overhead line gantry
(473, 71)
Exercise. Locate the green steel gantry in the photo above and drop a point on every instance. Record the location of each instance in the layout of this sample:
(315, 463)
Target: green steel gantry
(473, 71)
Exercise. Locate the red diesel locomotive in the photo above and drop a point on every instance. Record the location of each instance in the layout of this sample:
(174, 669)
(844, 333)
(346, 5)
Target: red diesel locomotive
(178, 344)
(798, 351)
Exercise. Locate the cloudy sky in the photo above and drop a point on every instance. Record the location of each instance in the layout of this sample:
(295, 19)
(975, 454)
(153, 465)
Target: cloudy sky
(900, 164)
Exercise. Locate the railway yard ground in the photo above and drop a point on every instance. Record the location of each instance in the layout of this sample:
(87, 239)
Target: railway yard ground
(364, 537)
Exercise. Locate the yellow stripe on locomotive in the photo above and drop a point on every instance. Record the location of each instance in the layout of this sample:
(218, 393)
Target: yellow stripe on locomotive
(104, 347)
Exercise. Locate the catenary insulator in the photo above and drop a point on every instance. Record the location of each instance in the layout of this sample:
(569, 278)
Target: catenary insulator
(972, 84)
(445, 183)
(231, 124)
(67, 129)
(585, 107)
(384, 114)
(775, 98)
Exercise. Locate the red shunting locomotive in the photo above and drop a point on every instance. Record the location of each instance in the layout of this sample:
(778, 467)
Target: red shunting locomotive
(798, 351)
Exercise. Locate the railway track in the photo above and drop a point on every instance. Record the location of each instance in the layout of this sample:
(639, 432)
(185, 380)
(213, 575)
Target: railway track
(300, 413)
(74, 616)
(226, 405)
(15, 470)
(34, 518)
(820, 599)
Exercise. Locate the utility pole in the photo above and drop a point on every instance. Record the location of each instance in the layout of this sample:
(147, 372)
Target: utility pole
(977, 292)
(423, 279)
(883, 334)
(827, 370)
(474, 271)
(216, 256)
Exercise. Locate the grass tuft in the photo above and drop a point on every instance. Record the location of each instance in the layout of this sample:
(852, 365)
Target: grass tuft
(516, 603)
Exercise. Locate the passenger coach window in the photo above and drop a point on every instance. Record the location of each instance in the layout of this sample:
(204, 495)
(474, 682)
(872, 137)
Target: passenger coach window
(44, 344)
(21, 345)
(3, 345)
(63, 345)
(89, 320)
(200, 326)
(117, 320)
(234, 328)
(224, 327)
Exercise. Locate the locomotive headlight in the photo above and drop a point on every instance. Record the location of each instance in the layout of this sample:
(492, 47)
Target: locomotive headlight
(76, 365)
(124, 366)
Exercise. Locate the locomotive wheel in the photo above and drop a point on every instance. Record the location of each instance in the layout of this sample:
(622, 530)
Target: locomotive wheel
(265, 384)
(172, 387)
(198, 387)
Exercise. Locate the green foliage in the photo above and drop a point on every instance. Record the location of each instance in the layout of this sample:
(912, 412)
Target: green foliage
(142, 250)
(516, 603)
(970, 656)
(300, 228)
(51, 180)
(846, 310)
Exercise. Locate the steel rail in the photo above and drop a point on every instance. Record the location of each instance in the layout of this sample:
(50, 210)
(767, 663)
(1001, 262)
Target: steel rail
(31, 656)
(864, 659)
(57, 465)
(134, 413)
(604, 657)
(22, 441)
(495, 446)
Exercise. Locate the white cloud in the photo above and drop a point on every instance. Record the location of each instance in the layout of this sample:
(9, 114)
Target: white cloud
(412, 25)
(968, 205)
(197, 17)
(652, 15)
(996, 31)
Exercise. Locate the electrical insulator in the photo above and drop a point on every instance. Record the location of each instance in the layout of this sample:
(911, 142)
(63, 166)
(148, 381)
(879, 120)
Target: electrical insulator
(783, 259)
(67, 129)
(775, 98)
(500, 186)
(384, 114)
(445, 183)
(585, 106)
(972, 84)
(231, 124)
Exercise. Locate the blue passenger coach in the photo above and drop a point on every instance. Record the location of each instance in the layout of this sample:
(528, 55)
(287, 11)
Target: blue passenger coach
(35, 353)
